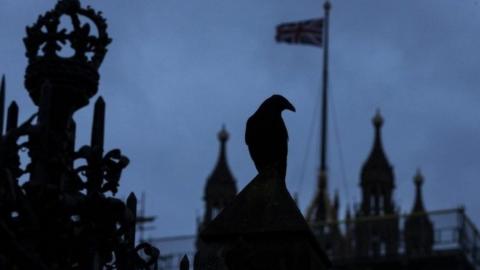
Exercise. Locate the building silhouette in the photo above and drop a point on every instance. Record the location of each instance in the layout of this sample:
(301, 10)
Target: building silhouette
(374, 235)
(378, 236)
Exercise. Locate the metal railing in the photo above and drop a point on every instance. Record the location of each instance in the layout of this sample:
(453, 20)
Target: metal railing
(453, 231)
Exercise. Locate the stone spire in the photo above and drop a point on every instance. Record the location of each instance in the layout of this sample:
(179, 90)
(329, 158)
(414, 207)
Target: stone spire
(377, 183)
(221, 188)
(377, 180)
(377, 159)
(419, 229)
(418, 206)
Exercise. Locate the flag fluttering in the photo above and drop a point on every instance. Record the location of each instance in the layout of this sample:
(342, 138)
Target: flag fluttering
(309, 32)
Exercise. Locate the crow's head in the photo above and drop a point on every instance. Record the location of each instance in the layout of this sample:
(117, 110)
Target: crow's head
(277, 103)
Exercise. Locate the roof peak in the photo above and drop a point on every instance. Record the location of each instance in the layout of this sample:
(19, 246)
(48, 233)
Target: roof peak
(376, 177)
(377, 158)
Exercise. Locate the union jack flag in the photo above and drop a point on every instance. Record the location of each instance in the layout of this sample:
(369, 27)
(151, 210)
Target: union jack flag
(305, 32)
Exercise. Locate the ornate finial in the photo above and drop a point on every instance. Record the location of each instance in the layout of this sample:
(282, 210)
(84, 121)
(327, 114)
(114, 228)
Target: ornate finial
(68, 5)
(223, 134)
(45, 38)
(418, 204)
(77, 74)
(327, 6)
(418, 178)
(377, 119)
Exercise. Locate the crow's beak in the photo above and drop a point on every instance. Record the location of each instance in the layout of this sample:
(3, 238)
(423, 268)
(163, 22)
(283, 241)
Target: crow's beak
(290, 107)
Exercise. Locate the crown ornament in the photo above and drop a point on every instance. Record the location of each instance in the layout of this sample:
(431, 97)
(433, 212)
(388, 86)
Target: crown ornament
(87, 39)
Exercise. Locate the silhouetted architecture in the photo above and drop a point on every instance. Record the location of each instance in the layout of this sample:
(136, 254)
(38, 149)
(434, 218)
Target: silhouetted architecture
(379, 237)
(59, 211)
(375, 236)
(220, 189)
(377, 183)
(262, 228)
(418, 232)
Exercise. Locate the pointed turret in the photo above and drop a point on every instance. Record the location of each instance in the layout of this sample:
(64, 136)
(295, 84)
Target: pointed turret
(377, 180)
(221, 188)
(377, 236)
(418, 226)
(377, 162)
(418, 206)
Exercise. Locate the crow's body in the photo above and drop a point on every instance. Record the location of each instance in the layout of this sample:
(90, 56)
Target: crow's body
(267, 136)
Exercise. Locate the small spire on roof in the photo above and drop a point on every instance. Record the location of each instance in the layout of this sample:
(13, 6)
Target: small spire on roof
(377, 119)
(220, 188)
(223, 134)
(418, 178)
(418, 204)
(377, 158)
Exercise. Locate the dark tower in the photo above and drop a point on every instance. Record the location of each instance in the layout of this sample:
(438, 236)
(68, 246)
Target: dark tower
(375, 237)
(221, 188)
(418, 226)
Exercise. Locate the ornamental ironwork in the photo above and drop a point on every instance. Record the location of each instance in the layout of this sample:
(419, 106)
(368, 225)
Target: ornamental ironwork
(58, 208)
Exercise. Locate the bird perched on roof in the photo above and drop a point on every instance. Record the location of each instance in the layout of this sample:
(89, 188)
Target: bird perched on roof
(267, 136)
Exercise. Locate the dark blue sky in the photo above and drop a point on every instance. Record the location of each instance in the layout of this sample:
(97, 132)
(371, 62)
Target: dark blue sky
(177, 70)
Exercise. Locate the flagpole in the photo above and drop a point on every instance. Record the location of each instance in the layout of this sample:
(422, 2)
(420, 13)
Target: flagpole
(323, 147)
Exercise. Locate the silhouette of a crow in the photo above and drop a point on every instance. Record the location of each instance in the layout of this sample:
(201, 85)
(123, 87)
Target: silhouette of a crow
(267, 136)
